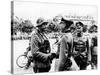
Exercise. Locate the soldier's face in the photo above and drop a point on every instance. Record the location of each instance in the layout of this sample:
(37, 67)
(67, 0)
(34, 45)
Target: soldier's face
(72, 30)
(58, 20)
(94, 29)
(79, 27)
(43, 28)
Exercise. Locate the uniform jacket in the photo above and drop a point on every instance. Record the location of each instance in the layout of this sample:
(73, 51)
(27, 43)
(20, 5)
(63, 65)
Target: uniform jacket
(40, 49)
(66, 47)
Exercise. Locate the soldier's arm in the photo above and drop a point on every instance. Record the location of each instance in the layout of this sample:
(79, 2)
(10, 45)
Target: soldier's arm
(34, 44)
(58, 50)
(40, 56)
(27, 50)
(49, 49)
(88, 45)
(65, 47)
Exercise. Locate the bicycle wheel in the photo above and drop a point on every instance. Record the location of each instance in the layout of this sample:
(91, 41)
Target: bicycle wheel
(22, 61)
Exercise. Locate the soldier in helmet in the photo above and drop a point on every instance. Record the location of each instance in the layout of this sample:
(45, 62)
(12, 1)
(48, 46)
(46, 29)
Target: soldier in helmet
(40, 48)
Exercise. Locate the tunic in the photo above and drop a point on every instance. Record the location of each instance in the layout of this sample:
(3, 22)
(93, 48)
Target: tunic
(40, 50)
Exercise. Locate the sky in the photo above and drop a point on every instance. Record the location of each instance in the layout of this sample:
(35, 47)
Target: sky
(34, 10)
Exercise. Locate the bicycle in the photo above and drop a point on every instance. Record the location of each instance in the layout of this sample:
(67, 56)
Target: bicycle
(22, 60)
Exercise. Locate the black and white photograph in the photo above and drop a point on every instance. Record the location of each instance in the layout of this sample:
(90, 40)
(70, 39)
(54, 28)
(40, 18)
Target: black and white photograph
(53, 37)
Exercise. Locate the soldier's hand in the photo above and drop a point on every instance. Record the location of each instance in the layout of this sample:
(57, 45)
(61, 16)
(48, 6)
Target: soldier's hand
(88, 62)
(25, 53)
(52, 56)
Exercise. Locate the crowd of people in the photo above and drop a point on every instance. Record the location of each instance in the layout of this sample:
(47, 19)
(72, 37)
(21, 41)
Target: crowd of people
(78, 42)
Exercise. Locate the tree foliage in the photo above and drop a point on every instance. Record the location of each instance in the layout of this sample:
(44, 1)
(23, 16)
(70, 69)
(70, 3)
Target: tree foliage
(20, 25)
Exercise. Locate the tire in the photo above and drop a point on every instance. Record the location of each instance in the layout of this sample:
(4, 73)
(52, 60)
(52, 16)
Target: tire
(22, 61)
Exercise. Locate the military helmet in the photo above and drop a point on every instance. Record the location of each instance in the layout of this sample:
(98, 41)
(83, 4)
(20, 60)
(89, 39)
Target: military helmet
(40, 22)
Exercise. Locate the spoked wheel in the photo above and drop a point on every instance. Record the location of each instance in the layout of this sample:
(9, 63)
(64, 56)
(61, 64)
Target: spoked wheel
(22, 61)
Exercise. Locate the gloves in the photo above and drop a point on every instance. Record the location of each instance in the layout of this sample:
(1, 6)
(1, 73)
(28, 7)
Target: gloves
(52, 56)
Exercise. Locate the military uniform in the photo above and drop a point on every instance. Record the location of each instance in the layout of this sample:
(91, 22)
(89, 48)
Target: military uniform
(94, 49)
(40, 49)
(64, 53)
(81, 51)
(76, 47)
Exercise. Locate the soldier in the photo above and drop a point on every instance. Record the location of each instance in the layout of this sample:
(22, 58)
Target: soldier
(65, 47)
(81, 48)
(40, 48)
(76, 46)
(94, 46)
(65, 53)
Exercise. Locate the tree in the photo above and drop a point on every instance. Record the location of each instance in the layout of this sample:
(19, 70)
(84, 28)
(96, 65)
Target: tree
(26, 26)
